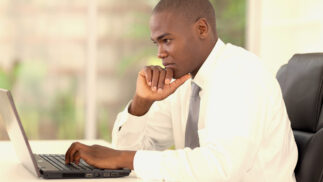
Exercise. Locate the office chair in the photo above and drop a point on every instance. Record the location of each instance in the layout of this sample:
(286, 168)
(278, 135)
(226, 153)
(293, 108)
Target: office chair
(301, 81)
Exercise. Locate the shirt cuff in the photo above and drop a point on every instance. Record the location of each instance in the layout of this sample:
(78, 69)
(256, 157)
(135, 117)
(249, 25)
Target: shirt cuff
(129, 121)
(126, 126)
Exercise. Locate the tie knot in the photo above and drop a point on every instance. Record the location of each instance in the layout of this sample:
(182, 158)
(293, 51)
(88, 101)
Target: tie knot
(195, 89)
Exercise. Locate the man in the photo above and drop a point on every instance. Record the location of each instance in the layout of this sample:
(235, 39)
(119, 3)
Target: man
(224, 112)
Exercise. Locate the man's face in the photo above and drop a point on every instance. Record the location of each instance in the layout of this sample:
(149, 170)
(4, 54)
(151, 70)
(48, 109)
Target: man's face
(176, 41)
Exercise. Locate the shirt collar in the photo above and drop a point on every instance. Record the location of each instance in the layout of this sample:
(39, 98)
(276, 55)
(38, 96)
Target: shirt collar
(203, 74)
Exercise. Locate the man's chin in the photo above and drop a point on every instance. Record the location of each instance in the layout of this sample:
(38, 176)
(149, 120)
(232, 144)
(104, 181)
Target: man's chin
(178, 75)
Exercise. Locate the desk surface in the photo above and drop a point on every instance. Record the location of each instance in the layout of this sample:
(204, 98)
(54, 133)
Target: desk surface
(12, 170)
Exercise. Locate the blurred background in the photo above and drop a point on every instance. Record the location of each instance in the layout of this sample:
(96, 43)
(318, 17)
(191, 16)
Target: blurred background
(72, 65)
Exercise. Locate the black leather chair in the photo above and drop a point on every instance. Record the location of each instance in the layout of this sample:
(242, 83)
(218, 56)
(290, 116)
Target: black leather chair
(301, 81)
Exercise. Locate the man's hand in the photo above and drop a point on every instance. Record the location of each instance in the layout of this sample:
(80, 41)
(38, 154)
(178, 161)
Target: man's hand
(153, 84)
(99, 156)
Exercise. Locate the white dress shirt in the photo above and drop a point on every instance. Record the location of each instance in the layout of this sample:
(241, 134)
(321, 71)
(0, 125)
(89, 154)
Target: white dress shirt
(244, 131)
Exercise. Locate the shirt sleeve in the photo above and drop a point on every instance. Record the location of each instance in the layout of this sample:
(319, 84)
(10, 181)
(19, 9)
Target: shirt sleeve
(153, 131)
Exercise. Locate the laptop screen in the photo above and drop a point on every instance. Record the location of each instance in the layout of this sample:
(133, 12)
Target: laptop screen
(9, 116)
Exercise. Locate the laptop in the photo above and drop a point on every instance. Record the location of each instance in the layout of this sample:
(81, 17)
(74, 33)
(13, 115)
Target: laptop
(48, 166)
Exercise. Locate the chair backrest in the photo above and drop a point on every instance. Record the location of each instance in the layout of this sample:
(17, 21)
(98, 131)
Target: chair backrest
(301, 81)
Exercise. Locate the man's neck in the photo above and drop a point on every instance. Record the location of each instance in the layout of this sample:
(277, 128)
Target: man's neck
(208, 49)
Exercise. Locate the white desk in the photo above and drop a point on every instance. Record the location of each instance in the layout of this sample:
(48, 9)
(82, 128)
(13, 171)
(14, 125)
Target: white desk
(11, 169)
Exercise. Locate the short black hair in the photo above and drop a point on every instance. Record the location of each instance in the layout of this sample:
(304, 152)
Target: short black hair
(192, 10)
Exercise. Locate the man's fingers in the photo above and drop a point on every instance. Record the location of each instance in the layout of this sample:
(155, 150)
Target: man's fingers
(75, 147)
(169, 76)
(67, 155)
(148, 75)
(178, 82)
(155, 78)
(161, 81)
(77, 157)
(72, 153)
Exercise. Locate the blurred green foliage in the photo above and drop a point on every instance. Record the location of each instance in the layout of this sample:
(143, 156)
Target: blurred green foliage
(8, 77)
(103, 127)
(43, 115)
(64, 110)
(231, 20)
(139, 29)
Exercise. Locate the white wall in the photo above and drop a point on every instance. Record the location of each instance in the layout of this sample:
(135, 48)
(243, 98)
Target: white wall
(277, 29)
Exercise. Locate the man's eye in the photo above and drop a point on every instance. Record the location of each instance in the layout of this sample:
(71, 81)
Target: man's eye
(167, 41)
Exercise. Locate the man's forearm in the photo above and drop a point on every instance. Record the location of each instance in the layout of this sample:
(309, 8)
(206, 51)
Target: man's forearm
(139, 106)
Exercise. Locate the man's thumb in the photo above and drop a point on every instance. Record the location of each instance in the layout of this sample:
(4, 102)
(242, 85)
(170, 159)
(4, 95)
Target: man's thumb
(178, 82)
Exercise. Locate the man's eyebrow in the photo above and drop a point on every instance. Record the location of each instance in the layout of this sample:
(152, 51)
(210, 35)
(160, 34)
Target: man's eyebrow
(160, 37)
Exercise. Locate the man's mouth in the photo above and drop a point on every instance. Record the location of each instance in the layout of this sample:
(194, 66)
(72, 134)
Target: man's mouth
(167, 65)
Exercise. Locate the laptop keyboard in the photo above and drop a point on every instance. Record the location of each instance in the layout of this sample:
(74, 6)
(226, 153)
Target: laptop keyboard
(59, 162)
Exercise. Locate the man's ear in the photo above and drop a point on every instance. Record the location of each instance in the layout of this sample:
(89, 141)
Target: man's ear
(202, 28)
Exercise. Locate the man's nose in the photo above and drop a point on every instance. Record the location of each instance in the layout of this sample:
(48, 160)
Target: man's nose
(161, 52)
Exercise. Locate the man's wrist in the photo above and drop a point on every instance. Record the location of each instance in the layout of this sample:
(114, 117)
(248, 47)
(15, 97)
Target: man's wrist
(126, 159)
(139, 106)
